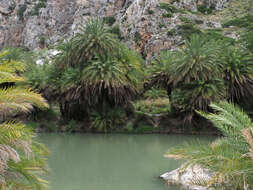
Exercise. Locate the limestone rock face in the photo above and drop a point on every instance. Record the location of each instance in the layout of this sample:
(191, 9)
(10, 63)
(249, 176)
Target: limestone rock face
(187, 177)
(144, 24)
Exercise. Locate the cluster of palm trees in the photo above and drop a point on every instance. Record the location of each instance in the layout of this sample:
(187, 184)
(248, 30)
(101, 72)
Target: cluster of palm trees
(22, 160)
(94, 71)
(202, 72)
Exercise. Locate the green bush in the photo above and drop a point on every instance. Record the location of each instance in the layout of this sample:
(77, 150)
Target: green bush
(110, 20)
(38, 6)
(155, 93)
(242, 22)
(186, 30)
(144, 129)
(137, 37)
(216, 34)
(116, 30)
(172, 32)
(107, 119)
(167, 15)
(205, 10)
(150, 12)
(185, 20)
(152, 106)
(168, 8)
(42, 40)
(247, 40)
(21, 11)
(72, 126)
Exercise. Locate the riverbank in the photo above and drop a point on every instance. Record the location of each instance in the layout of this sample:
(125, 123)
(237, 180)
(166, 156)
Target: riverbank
(139, 124)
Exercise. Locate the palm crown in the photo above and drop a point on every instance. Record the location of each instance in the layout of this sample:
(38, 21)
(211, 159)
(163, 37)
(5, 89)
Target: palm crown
(19, 156)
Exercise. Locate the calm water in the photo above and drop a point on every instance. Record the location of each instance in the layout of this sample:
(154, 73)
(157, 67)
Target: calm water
(110, 162)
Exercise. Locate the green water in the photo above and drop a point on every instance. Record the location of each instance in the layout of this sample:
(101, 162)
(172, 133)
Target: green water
(110, 162)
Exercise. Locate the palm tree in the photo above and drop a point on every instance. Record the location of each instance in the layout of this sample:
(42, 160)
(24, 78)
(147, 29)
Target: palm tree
(160, 71)
(22, 161)
(107, 78)
(95, 68)
(197, 61)
(191, 75)
(94, 38)
(238, 73)
(230, 157)
(197, 95)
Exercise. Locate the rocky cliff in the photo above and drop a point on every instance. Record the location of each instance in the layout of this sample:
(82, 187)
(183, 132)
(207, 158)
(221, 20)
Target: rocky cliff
(147, 25)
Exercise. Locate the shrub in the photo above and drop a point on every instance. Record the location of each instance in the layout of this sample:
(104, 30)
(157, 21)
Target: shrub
(242, 22)
(205, 10)
(110, 20)
(167, 15)
(137, 37)
(38, 6)
(116, 30)
(153, 106)
(216, 34)
(150, 12)
(168, 7)
(185, 20)
(172, 32)
(154, 93)
(42, 40)
(144, 129)
(21, 11)
(107, 119)
(186, 30)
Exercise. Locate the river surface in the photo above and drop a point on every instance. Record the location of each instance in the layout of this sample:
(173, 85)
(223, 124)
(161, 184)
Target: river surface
(112, 161)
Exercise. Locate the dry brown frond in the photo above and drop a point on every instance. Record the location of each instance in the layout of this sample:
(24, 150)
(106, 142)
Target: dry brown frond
(174, 156)
(248, 135)
(7, 153)
(25, 146)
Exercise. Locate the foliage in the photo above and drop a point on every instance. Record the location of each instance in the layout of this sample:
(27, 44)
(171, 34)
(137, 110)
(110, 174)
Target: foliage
(94, 38)
(198, 55)
(238, 73)
(185, 20)
(197, 95)
(110, 20)
(22, 159)
(186, 30)
(168, 8)
(242, 22)
(93, 68)
(153, 106)
(154, 93)
(216, 34)
(229, 157)
(191, 75)
(21, 12)
(247, 40)
(205, 9)
(116, 30)
(109, 74)
(38, 6)
(107, 119)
